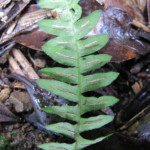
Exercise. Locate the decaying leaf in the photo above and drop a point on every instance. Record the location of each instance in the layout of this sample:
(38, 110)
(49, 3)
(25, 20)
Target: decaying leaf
(129, 6)
(6, 115)
(125, 42)
(34, 39)
(29, 19)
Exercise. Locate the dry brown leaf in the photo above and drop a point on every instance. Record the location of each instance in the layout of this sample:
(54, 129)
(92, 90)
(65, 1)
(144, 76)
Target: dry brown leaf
(129, 6)
(26, 21)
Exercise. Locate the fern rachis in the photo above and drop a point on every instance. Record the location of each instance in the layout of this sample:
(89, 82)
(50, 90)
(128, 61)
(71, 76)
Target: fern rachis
(70, 49)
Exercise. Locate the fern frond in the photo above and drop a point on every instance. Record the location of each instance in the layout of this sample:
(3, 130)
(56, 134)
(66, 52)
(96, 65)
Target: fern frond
(70, 83)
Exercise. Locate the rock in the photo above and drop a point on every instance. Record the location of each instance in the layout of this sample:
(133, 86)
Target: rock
(20, 101)
(4, 94)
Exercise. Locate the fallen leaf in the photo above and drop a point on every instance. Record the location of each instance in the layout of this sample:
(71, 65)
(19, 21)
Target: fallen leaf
(125, 42)
(34, 39)
(6, 115)
(129, 6)
(27, 22)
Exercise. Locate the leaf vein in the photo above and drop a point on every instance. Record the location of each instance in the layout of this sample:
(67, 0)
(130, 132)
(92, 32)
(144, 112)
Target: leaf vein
(63, 90)
(65, 75)
(90, 45)
(92, 122)
(95, 103)
(84, 25)
(60, 27)
(64, 56)
(94, 81)
(66, 130)
(92, 62)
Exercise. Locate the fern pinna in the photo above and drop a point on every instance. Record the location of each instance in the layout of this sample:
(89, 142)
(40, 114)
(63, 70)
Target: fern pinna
(70, 49)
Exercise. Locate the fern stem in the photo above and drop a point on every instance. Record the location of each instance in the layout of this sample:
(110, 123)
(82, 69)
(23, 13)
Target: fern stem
(79, 98)
(79, 80)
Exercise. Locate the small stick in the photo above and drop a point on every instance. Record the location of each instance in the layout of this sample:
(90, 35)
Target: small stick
(140, 25)
(23, 62)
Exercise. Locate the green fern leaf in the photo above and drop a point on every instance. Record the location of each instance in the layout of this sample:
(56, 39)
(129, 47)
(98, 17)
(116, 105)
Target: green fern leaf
(94, 122)
(82, 143)
(85, 25)
(63, 128)
(70, 83)
(68, 75)
(91, 62)
(63, 56)
(52, 4)
(68, 112)
(92, 44)
(97, 80)
(93, 103)
(56, 27)
(62, 89)
(57, 146)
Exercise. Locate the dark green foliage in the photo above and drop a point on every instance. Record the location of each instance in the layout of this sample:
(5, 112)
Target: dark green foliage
(70, 49)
